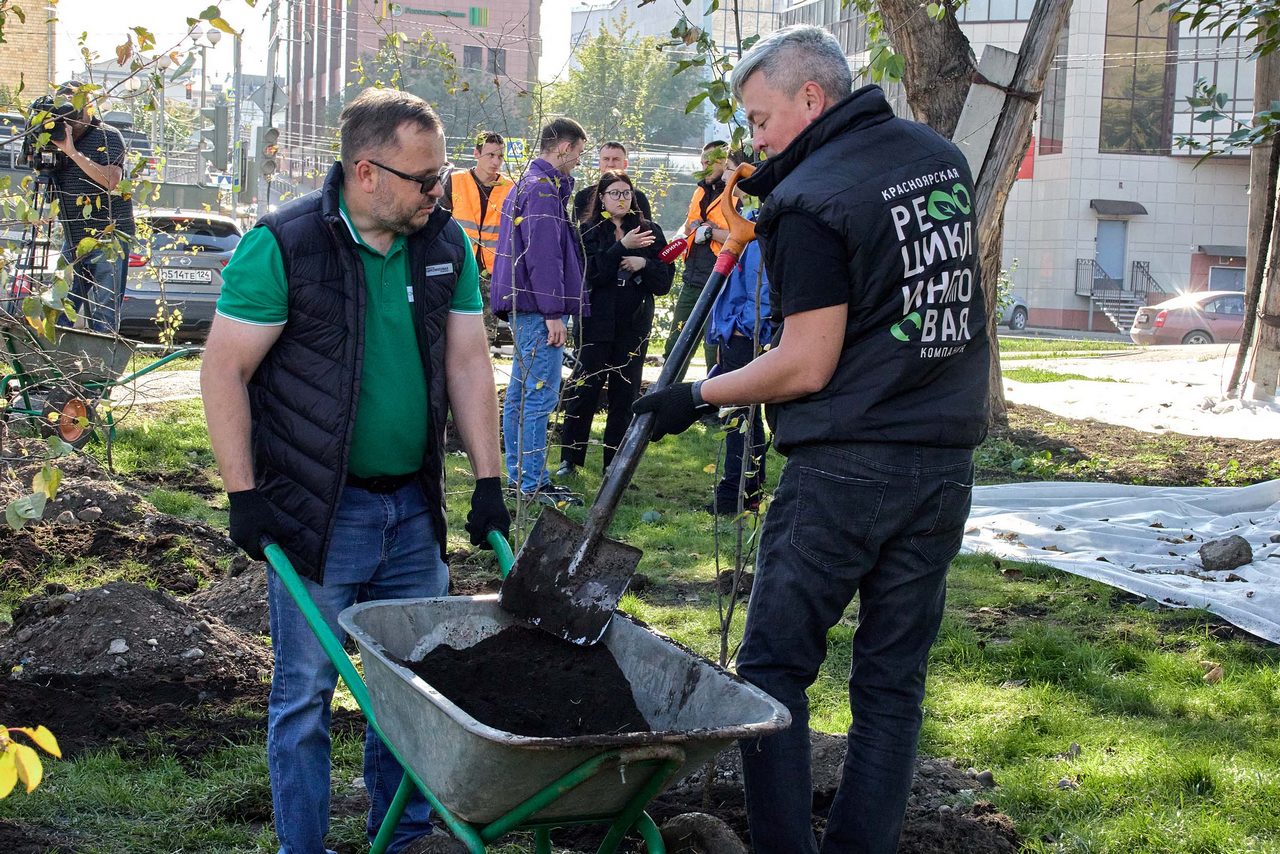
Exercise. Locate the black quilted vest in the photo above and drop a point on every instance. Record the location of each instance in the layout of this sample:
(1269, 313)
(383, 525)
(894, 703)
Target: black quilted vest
(899, 198)
(303, 396)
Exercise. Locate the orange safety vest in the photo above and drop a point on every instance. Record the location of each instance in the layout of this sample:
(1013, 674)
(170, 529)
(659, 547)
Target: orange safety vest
(714, 215)
(466, 210)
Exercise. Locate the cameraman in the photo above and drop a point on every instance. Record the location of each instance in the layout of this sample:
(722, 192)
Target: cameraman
(84, 180)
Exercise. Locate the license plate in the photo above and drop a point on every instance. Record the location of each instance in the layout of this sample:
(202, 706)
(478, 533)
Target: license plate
(169, 274)
(1141, 318)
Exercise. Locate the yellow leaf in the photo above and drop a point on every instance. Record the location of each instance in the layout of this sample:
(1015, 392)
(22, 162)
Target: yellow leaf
(30, 771)
(710, 468)
(8, 774)
(517, 220)
(43, 739)
(540, 384)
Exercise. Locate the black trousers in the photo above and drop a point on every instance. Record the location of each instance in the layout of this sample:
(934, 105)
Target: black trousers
(617, 364)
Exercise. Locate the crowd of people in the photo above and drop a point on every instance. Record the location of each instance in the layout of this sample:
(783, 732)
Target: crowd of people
(356, 314)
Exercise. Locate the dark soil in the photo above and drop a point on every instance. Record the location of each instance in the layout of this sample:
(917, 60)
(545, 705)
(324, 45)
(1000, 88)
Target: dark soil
(25, 839)
(1130, 456)
(945, 814)
(528, 682)
(239, 599)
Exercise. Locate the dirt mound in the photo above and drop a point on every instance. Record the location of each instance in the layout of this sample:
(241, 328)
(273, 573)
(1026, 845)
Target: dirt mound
(943, 813)
(127, 631)
(239, 599)
(27, 839)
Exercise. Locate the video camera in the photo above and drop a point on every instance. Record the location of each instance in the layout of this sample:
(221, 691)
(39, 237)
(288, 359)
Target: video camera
(47, 115)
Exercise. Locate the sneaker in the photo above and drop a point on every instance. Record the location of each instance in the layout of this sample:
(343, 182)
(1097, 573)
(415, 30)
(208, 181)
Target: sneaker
(554, 495)
(751, 505)
(567, 469)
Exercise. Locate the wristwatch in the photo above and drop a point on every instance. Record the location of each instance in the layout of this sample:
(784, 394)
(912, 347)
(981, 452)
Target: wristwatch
(698, 403)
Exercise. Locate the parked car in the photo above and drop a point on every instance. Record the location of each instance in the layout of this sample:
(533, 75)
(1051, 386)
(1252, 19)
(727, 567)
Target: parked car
(1203, 317)
(176, 265)
(1015, 314)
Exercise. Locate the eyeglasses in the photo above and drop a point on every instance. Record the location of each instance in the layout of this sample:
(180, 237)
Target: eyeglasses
(425, 184)
(618, 194)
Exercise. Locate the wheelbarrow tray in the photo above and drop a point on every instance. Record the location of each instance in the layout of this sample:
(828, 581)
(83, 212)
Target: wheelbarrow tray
(74, 358)
(480, 773)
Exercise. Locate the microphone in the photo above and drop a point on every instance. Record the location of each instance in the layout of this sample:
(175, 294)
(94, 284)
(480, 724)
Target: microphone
(673, 250)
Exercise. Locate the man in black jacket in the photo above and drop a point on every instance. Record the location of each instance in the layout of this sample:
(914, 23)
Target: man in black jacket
(348, 326)
(612, 157)
(877, 386)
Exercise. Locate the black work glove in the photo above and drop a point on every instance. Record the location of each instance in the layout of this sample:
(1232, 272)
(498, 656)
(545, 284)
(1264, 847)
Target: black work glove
(488, 512)
(675, 407)
(251, 519)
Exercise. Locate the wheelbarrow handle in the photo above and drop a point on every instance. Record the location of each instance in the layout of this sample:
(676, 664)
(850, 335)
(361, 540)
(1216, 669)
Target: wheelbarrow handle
(502, 549)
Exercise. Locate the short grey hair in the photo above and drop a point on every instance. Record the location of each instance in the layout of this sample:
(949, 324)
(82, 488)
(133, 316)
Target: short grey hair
(791, 57)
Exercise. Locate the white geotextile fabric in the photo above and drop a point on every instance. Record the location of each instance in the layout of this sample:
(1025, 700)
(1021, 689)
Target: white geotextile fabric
(1149, 537)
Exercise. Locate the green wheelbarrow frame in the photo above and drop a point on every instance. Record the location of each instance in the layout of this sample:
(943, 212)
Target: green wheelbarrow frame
(103, 357)
(663, 760)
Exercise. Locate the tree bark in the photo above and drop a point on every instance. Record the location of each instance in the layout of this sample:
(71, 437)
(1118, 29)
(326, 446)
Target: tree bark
(1262, 296)
(939, 59)
(1266, 358)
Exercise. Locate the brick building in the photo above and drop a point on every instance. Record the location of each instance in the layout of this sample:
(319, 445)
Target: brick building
(27, 55)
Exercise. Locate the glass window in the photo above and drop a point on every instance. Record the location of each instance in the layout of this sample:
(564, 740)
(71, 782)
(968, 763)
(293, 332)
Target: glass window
(1136, 114)
(1228, 279)
(472, 56)
(497, 60)
(1223, 63)
(1053, 102)
(1003, 10)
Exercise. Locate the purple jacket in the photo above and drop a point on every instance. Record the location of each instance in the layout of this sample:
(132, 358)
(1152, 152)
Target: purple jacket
(538, 267)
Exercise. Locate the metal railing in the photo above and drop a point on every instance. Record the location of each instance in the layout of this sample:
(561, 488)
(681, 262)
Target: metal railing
(1142, 281)
(1092, 280)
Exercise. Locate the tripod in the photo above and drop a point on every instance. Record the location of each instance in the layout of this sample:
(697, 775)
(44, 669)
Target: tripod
(31, 271)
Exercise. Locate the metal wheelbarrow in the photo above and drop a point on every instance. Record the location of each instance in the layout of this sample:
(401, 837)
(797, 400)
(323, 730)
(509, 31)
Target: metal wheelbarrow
(61, 382)
(485, 783)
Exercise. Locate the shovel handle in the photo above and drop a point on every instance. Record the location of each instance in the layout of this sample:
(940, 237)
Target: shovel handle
(741, 232)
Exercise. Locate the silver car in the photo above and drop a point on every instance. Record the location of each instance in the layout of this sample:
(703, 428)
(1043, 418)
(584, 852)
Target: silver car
(175, 273)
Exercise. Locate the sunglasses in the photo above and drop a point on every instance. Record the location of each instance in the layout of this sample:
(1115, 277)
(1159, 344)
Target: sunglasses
(425, 184)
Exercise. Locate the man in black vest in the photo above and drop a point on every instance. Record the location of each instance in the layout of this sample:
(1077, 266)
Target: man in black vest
(348, 326)
(878, 389)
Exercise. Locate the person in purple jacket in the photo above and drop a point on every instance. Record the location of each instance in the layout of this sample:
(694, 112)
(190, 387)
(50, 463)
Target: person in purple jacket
(537, 284)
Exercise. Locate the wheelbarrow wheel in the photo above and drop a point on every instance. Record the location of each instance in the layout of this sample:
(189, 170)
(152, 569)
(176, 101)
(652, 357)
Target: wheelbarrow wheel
(70, 417)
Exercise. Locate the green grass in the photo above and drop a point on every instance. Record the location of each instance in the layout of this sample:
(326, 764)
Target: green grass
(166, 437)
(1055, 347)
(1029, 662)
(144, 359)
(1040, 375)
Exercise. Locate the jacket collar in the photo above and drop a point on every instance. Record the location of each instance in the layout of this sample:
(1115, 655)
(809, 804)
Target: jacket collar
(541, 168)
(864, 108)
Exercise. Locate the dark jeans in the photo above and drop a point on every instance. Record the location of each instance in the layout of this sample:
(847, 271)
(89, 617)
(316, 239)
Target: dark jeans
(734, 354)
(619, 363)
(882, 521)
(690, 290)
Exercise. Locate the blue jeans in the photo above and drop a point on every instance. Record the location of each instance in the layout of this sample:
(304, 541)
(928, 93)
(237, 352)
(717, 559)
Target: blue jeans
(532, 396)
(97, 288)
(882, 521)
(738, 352)
(384, 547)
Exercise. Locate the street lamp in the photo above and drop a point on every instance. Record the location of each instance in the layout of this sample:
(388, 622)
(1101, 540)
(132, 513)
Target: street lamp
(209, 38)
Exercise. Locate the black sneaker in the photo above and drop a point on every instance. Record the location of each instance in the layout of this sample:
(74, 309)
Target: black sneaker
(555, 495)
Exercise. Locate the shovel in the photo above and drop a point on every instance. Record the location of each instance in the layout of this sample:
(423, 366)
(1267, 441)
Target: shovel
(568, 578)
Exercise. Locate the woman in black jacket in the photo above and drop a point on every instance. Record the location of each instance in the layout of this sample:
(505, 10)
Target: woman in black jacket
(623, 274)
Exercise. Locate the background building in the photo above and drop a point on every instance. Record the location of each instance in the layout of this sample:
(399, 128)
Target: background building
(27, 56)
(1109, 212)
(325, 38)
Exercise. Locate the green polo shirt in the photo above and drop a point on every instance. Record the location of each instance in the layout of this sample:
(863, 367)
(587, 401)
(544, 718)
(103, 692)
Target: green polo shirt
(390, 435)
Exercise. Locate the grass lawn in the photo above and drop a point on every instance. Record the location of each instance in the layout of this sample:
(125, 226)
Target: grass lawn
(1089, 706)
(1012, 348)
(1040, 375)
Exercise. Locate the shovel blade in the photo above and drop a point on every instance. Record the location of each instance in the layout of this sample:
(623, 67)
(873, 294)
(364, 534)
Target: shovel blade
(546, 589)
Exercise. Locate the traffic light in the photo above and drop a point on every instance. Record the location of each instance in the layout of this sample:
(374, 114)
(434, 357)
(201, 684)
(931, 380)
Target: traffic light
(215, 132)
(267, 162)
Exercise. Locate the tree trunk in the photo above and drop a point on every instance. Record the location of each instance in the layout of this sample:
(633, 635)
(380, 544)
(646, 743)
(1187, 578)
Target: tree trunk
(940, 60)
(1262, 296)
(1266, 358)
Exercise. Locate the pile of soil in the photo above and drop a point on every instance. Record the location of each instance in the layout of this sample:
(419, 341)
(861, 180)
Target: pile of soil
(240, 598)
(128, 633)
(528, 682)
(945, 811)
(27, 839)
